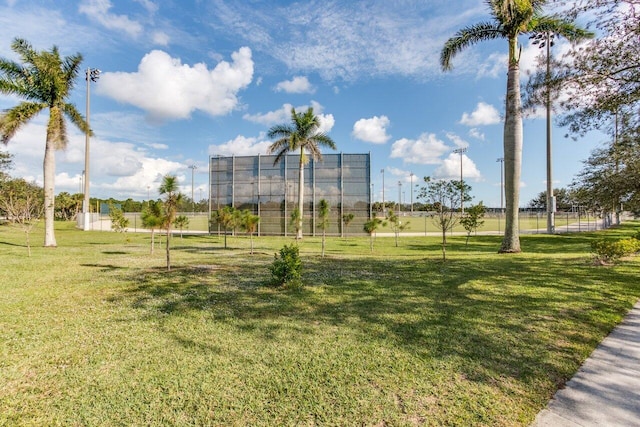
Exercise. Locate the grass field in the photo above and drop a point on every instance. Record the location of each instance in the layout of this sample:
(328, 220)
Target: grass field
(417, 224)
(97, 332)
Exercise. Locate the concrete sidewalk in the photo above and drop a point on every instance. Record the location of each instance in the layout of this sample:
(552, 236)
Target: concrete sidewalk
(606, 389)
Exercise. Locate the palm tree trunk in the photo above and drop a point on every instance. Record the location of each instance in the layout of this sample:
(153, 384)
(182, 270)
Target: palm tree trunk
(300, 194)
(49, 172)
(512, 153)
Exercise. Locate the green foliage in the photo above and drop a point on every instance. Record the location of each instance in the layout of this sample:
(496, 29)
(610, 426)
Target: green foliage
(119, 222)
(323, 213)
(396, 224)
(565, 199)
(472, 219)
(447, 196)
(181, 222)
(67, 205)
(286, 269)
(249, 223)
(152, 218)
(296, 221)
(371, 227)
(610, 251)
(346, 219)
(23, 205)
(228, 217)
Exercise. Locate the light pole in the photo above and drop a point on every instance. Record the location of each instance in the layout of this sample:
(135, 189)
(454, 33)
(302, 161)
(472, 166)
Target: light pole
(411, 178)
(461, 151)
(545, 40)
(382, 172)
(193, 202)
(399, 197)
(501, 160)
(92, 75)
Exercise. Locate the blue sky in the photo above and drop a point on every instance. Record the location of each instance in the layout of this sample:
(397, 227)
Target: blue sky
(182, 80)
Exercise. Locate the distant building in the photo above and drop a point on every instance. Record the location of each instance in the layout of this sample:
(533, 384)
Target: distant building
(271, 190)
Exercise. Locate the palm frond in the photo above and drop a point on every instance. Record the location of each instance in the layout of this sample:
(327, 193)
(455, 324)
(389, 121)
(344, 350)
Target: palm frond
(76, 118)
(467, 37)
(56, 128)
(559, 26)
(15, 118)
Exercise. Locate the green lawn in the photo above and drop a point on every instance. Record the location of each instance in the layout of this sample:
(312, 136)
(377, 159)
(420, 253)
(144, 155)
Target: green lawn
(97, 332)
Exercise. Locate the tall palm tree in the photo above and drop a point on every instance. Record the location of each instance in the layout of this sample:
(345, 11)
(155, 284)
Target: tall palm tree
(511, 18)
(173, 197)
(301, 135)
(44, 80)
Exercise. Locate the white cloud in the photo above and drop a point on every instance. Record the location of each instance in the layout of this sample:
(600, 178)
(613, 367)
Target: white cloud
(484, 114)
(167, 89)
(475, 133)
(272, 117)
(298, 84)
(426, 150)
(117, 169)
(372, 39)
(494, 65)
(161, 38)
(450, 168)
(283, 115)
(150, 6)
(372, 130)
(98, 11)
(241, 146)
(457, 141)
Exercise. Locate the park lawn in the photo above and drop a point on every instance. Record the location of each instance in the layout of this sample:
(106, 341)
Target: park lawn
(97, 332)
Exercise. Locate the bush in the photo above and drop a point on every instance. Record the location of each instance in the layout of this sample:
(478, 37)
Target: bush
(286, 270)
(612, 250)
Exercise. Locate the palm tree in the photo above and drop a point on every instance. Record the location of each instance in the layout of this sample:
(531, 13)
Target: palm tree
(44, 80)
(301, 135)
(249, 222)
(152, 219)
(511, 18)
(169, 188)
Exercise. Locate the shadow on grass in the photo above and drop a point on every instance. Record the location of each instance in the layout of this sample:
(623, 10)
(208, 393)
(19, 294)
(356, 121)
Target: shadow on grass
(506, 316)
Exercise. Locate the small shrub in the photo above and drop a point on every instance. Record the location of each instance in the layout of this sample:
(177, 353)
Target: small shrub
(613, 250)
(286, 270)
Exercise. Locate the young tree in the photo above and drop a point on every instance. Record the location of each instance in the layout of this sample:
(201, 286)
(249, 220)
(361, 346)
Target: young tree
(371, 227)
(323, 214)
(446, 196)
(23, 205)
(396, 224)
(472, 219)
(45, 81)
(119, 222)
(249, 223)
(510, 19)
(346, 220)
(181, 222)
(301, 135)
(172, 197)
(227, 217)
(152, 218)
